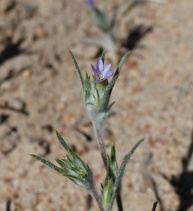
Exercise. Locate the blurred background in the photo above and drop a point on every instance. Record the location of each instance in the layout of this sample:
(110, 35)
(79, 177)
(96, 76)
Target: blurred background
(40, 93)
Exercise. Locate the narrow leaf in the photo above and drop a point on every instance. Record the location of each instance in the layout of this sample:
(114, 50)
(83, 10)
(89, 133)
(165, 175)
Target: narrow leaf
(126, 159)
(93, 97)
(110, 86)
(109, 108)
(119, 176)
(103, 56)
(77, 69)
(112, 163)
(99, 19)
(61, 163)
(89, 104)
(113, 21)
(63, 143)
(47, 163)
(123, 60)
(98, 96)
(113, 153)
(87, 85)
(108, 90)
(77, 181)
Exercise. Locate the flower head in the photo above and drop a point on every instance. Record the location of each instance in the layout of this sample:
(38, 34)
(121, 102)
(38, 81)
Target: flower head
(90, 4)
(100, 72)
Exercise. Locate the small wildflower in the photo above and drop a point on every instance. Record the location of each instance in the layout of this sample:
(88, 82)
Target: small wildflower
(90, 3)
(100, 72)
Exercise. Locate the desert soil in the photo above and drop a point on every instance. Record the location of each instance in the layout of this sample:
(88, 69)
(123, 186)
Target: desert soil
(40, 93)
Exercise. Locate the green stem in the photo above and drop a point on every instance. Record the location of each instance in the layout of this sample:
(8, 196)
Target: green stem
(95, 195)
(119, 201)
(98, 128)
(99, 135)
(8, 205)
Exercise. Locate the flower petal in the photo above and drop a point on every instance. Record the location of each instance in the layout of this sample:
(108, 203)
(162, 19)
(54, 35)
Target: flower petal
(100, 65)
(93, 69)
(90, 3)
(107, 69)
(108, 75)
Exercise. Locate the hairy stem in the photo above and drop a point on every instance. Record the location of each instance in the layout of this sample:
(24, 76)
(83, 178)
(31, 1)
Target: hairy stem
(98, 128)
(95, 195)
(99, 135)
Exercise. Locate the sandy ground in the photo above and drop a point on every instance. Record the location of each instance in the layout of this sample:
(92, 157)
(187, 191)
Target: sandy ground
(40, 93)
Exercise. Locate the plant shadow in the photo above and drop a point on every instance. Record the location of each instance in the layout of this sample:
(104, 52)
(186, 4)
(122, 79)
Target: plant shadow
(183, 182)
(135, 35)
(11, 50)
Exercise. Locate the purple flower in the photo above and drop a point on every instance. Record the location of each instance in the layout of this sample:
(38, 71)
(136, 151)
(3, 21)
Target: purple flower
(90, 3)
(100, 72)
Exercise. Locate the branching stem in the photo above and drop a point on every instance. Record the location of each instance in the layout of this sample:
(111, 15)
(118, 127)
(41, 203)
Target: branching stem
(95, 195)
(98, 128)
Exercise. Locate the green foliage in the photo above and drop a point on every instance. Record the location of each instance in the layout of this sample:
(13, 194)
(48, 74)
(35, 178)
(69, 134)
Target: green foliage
(100, 19)
(97, 95)
(116, 75)
(112, 164)
(96, 98)
(107, 193)
(127, 158)
(72, 167)
(113, 180)
(77, 68)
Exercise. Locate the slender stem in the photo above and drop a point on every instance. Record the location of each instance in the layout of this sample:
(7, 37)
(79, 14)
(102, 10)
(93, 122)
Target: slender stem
(8, 205)
(119, 201)
(98, 128)
(154, 206)
(95, 195)
(99, 135)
